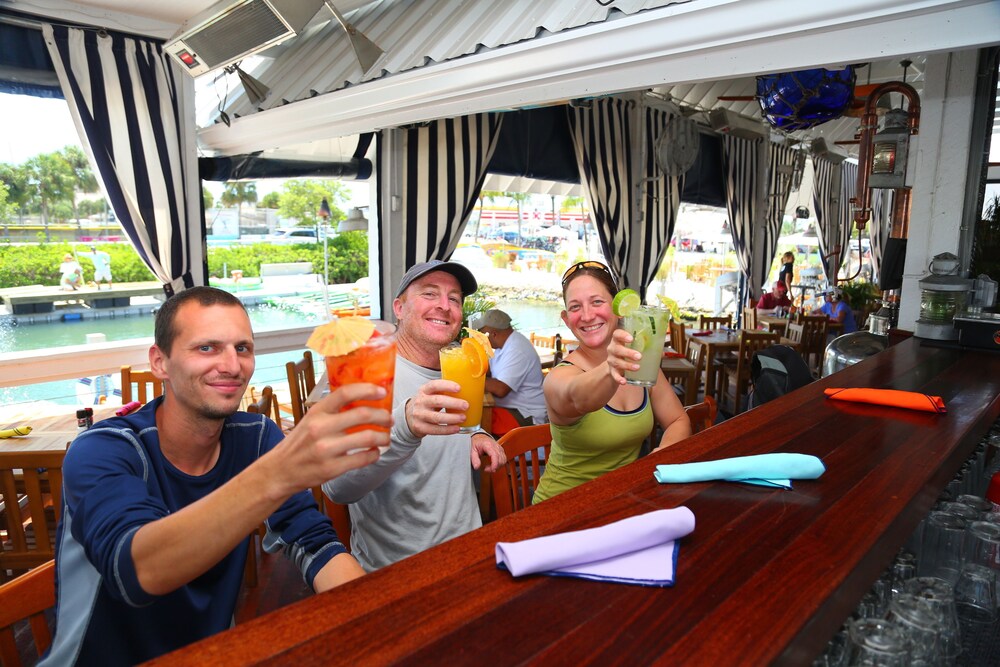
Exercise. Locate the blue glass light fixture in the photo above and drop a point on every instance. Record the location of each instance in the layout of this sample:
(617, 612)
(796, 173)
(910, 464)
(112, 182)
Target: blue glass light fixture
(793, 101)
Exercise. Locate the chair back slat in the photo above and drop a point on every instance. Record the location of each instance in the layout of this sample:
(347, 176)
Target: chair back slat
(301, 380)
(27, 598)
(702, 415)
(714, 323)
(677, 339)
(147, 386)
(527, 449)
(543, 341)
(750, 321)
(31, 494)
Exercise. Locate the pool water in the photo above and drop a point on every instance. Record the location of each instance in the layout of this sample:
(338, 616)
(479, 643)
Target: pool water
(526, 316)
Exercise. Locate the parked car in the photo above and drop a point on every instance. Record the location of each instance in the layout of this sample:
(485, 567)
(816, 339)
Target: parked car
(293, 235)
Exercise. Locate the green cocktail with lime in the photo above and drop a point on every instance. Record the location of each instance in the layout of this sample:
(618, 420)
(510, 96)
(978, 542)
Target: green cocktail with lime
(648, 326)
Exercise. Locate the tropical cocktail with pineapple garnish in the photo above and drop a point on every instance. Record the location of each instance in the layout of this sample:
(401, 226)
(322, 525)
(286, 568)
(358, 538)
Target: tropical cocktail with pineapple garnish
(357, 349)
(648, 326)
(466, 363)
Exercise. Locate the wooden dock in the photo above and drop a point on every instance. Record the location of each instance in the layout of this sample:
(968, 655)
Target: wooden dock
(45, 298)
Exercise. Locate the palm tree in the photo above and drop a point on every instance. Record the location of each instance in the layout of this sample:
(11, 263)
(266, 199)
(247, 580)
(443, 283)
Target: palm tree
(485, 194)
(519, 198)
(236, 194)
(569, 202)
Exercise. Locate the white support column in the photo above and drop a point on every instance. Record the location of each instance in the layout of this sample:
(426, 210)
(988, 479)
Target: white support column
(389, 263)
(939, 168)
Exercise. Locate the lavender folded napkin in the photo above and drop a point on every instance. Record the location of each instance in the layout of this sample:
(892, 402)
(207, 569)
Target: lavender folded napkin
(762, 469)
(639, 550)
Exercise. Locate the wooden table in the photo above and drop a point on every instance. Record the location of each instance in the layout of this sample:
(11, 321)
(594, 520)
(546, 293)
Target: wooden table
(772, 323)
(53, 427)
(720, 340)
(767, 576)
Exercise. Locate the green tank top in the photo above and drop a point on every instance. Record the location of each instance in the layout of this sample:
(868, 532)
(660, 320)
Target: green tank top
(602, 441)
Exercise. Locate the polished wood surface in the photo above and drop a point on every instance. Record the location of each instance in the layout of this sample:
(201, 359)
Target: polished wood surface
(53, 427)
(767, 576)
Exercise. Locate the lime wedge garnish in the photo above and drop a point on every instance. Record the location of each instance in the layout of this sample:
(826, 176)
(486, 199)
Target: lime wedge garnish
(625, 302)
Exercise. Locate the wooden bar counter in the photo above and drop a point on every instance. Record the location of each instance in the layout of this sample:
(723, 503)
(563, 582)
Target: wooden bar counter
(766, 577)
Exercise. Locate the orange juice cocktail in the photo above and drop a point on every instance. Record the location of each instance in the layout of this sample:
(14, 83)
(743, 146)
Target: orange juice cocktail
(374, 362)
(466, 363)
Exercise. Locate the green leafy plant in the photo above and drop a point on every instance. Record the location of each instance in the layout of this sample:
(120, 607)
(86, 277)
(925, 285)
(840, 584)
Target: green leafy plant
(860, 294)
(473, 305)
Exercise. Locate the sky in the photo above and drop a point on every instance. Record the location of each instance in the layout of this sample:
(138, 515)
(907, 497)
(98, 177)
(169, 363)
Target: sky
(33, 125)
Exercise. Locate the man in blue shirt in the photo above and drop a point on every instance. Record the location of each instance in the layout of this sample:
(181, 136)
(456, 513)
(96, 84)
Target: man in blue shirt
(159, 504)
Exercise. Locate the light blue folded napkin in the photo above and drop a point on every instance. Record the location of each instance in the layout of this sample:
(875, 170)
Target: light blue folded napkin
(763, 469)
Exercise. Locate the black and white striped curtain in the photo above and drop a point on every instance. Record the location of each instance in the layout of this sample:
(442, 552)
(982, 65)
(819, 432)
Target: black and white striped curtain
(602, 139)
(832, 234)
(124, 97)
(782, 163)
(662, 199)
(740, 164)
(879, 227)
(443, 168)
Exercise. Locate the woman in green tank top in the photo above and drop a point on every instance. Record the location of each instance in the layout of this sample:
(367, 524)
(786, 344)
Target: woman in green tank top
(598, 422)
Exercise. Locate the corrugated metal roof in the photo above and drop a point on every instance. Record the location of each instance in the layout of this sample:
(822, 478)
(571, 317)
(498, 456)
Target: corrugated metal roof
(413, 33)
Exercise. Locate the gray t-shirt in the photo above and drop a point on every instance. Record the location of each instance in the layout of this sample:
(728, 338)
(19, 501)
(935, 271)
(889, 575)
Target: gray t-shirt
(417, 495)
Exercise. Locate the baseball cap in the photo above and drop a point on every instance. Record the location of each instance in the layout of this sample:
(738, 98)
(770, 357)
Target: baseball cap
(780, 286)
(497, 319)
(466, 281)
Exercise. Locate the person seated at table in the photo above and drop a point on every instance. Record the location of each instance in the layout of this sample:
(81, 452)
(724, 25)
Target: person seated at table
(515, 376)
(838, 309)
(420, 493)
(71, 273)
(599, 422)
(787, 271)
(159, 505)
(776, 298)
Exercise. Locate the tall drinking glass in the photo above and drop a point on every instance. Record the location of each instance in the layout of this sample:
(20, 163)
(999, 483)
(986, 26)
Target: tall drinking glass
(373, 362)
(648, 326)
(459, 364)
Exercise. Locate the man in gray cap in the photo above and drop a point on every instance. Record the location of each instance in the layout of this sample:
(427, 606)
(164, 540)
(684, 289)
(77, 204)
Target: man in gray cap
(515, 374)
(420, 492)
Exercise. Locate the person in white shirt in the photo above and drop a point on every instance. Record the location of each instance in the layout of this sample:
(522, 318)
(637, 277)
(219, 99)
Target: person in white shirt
(515, 372)
(71, 273)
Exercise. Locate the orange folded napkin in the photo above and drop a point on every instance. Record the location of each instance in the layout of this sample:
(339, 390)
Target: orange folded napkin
(673, 355)
(911, 400)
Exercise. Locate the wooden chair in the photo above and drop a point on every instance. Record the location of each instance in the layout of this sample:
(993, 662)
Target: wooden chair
(795, 332)
(147, 387)
(709, 322)
(514, 483)
(696, 355)
(750, 322)
(31, 493)
(265, 404)
(677, 339)
(739, 377)
(301, 380)
(702, 415)
(543, 341)
(813, 344)
(26, 598)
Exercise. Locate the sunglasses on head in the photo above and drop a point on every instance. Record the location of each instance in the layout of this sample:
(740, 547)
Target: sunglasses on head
(589, 264)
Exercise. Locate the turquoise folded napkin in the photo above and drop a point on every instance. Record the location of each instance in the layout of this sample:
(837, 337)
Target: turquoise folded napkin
(775, 470)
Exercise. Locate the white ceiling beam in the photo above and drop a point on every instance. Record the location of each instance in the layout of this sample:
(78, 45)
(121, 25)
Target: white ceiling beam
(705, 40)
